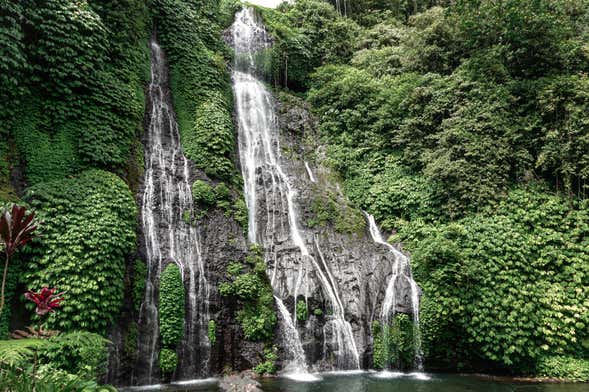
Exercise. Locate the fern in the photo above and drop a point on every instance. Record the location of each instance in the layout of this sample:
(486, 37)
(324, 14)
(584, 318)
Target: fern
(47, 379)
(79, 338)
(81, 353)
(15, 352)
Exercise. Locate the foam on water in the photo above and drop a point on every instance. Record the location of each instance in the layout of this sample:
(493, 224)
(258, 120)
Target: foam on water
(302, 377)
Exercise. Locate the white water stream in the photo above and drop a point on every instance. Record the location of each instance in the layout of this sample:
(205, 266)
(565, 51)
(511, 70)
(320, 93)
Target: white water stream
(401, 270)
(268, 187)
(165, 203)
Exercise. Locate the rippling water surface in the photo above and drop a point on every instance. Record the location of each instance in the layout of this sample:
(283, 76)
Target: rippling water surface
(390, 382)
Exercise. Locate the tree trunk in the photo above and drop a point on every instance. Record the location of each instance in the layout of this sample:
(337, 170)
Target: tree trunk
(4, 283)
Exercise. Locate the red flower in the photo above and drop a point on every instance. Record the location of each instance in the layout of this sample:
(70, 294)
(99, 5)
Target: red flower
(46, 300)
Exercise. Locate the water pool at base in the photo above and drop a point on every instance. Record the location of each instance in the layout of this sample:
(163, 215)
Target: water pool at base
(392, 382)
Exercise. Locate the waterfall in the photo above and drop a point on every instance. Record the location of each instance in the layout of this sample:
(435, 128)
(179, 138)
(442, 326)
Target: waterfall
(401, 270)
(297, 366)
(310, 173)
(169, 236)
(270, 193)
(340, 329)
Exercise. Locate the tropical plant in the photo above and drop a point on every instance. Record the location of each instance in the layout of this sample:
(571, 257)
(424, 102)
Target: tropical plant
(16, 230)
(46, 300)
(257, 315)
(88, 231)
(171, 306)
(63, 362)
(16, 352)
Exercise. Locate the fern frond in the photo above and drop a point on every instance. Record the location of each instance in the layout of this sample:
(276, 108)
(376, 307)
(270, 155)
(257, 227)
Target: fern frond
(79, 338)
(17, 351)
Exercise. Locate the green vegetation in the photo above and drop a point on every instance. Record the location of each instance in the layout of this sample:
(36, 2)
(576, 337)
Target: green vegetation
(302, 311)
(80, 353)
(507, 284)
(65, 117)
(88, 230)
(191, 36)
(130, 343)
(328, 209)
(168, 360)
(212, 331)
(171, 316)
(203, 194)
(7, 193)
(268, 366)
(71, 109)
(451, 132)
(139, 279)
(171, 306)
(65, 362)
(564, 367)
(393, 344)
(310, 33)
(254, 292)
(463, 127)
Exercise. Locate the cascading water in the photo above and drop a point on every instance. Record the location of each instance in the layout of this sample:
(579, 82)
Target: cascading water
(310, 173)
(297, 363)
(270, 194)
(169, 237)
(401, 271)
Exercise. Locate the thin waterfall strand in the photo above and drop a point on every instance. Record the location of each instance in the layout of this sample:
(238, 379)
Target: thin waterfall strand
(401, 270)
(166, 199)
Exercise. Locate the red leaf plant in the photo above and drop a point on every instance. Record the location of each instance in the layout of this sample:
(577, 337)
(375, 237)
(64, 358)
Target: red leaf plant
(46, 300)
(16, 229)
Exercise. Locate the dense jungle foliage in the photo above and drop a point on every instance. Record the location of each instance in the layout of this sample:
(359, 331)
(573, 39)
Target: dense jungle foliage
(463, 127)
(72, 77)
(72, 105)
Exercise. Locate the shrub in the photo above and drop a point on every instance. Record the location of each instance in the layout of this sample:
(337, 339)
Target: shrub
(257, 316)
(234, 268)
(505, 284)
(240, 213)
(80, 353)
(212, 331)
(203, 194)
(248, 286)
(171, 306)
(302, 311)
(168, 360)
(307, 34)
(569, 368)
(269, 364)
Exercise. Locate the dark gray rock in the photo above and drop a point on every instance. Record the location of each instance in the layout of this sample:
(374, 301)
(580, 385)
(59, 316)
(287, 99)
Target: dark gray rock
(242, 382)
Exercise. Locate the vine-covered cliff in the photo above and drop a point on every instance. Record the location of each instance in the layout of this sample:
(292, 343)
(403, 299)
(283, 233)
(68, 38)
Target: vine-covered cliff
(199, 242)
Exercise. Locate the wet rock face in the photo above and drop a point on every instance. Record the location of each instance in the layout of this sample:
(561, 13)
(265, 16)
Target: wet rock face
(242, 382)
(169, 233)
(356, 267)
(223, 242)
